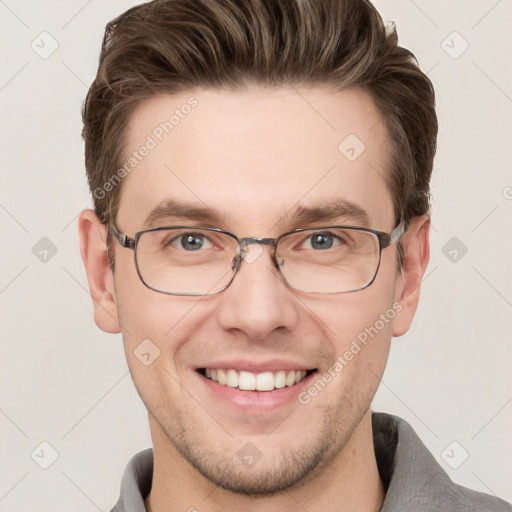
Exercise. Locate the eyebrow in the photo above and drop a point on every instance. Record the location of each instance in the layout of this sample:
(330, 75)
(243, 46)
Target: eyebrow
(174, 209)
(301, 216)
(332, 211)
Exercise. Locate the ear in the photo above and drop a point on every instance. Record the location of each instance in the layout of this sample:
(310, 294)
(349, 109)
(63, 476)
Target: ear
(93, 248)
(416, 250)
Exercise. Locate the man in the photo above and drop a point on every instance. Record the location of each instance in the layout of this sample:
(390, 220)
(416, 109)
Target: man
(260, 172)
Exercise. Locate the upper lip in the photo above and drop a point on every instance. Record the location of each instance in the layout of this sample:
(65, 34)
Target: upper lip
(271, 365)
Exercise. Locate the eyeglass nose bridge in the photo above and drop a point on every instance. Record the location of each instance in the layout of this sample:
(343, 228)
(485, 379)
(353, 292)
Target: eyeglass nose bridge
(242, 250)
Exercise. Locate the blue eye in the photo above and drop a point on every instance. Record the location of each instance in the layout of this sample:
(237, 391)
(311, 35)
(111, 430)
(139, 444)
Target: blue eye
(322, 240)
(190, 242)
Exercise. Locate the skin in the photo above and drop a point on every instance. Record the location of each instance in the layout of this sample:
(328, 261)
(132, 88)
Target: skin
(253, 156)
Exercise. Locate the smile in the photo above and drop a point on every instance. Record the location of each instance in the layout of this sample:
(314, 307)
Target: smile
(248, 381)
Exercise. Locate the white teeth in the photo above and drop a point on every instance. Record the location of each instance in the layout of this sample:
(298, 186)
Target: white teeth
(232, 379)
(247, 381)
(290, 379)
(280, 379)
(299, 376)
(265, 381)
(221, 377)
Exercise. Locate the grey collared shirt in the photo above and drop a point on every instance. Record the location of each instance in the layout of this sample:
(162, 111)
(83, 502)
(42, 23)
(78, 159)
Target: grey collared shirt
(414, 480)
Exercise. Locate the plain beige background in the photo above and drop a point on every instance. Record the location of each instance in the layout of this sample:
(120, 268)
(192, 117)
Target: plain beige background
(66, 383)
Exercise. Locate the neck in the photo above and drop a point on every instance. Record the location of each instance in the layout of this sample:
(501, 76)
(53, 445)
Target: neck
(349, 483)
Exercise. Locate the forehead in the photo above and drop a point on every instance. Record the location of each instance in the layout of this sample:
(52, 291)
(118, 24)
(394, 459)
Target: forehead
(256, 155)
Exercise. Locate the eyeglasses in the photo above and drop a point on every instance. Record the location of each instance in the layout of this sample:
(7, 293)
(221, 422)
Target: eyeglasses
(189, 260)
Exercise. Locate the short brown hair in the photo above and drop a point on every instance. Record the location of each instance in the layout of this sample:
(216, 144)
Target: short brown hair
(169, 46)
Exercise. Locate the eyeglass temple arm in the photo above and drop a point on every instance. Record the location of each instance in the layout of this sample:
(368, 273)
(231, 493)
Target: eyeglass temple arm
(124, 240)
(387, 239)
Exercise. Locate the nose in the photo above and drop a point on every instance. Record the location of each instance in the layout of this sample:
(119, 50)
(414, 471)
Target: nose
(258, 301)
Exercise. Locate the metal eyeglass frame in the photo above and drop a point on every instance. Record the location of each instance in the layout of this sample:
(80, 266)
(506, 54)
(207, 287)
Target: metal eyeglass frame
(385, 240)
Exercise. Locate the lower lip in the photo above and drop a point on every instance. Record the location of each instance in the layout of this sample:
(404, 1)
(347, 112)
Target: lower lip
(256, 402)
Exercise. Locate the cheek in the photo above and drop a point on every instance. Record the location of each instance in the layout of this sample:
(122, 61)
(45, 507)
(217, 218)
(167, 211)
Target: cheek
(349, 316)
(145, 313)
(359, 327)
(360, 338)
(362, 333)
(154, 327)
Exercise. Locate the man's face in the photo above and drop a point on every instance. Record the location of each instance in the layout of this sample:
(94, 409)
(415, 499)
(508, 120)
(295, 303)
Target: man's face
(255, 157)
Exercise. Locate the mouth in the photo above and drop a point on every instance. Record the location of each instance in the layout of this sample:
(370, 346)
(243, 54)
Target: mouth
(248, 381)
